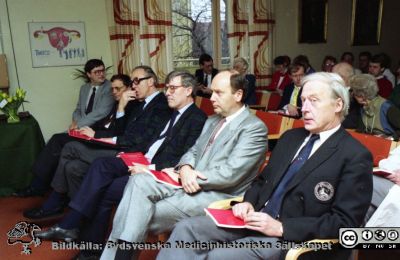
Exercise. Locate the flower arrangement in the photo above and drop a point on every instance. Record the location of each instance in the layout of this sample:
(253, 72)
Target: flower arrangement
(9, 104)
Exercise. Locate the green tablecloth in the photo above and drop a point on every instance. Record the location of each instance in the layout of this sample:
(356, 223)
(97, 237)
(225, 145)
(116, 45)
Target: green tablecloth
(20, 143)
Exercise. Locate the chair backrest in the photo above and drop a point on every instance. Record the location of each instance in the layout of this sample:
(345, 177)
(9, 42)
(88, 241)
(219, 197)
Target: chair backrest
(274, 122)
(205, 105)
(274, 101)
(269, 100)
(378, 146)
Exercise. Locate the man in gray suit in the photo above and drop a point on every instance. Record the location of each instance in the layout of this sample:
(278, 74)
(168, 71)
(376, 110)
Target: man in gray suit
(94, 104)
(220, 165)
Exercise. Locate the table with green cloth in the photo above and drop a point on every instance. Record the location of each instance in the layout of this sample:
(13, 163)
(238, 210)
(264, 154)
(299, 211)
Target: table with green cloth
(20, 143)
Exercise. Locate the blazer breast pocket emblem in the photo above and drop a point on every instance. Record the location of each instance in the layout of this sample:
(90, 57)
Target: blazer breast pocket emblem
(324, 191)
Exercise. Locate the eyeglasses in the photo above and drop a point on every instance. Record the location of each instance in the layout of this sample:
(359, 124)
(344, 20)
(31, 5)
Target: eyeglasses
(171, 87)
(98, 72)
(137, 80)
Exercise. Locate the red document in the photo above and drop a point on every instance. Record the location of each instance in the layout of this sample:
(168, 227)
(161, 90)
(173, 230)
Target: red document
(162, 177)
(224, 218)
(77, 134)
(381, 172)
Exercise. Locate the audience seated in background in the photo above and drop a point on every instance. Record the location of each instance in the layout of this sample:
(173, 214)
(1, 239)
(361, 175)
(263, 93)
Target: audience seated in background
(145, 122)
(303, 59)
(363, 61)
(241, 65)
(328, 63)
(94, 103)
(291, 99)
(353, 118)
(104, 183)
(349, 58)
(205, 74)
(387, 73)
(327, 186)
(379, 116)
(376, 69)
(280, 78)
(221, 165)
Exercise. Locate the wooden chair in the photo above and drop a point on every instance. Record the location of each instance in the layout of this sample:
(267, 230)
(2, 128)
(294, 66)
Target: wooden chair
(276, 123)
(267, 100)
(205, 105)
(378, 146)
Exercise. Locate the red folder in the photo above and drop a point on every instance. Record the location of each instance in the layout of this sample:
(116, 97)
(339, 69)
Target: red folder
(77, 134)
(132, 158)
(224, 218)
(163, 177)
(381, 172)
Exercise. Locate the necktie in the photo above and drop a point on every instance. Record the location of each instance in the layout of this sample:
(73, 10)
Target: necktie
(89, 107)
(206, 80)
(214, 134)
(274, 204)
(171, 124)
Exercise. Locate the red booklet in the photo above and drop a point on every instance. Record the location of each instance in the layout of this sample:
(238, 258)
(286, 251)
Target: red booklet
(224, 218)
(162, 177)
(77, 134)
(381, 172)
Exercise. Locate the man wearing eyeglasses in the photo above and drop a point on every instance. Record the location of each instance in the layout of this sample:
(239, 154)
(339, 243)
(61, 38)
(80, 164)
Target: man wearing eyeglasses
(141, 125)
(220, 165)
(94, 103)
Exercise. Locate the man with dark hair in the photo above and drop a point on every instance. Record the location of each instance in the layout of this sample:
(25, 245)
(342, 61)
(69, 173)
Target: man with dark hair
(363, 61)
(376, 69)
(220, 165)
(303, 59)
(281, 77)
(291, 102)
(104, 183)
(318, 179)
(205, 74)
(146, 119)
(94, 103)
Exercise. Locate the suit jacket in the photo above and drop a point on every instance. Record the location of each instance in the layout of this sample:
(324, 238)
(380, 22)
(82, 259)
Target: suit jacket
(199, 75)
(287, 93)
(103, 103)
(230, 164)
(250, 98)
(341, 166)
(145, 124)
(184, 134)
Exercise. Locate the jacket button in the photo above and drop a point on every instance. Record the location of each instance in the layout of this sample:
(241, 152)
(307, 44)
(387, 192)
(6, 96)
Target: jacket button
(301, 198)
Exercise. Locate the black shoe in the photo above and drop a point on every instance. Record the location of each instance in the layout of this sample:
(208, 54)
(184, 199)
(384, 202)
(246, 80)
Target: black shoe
(57, 233)
(41, 214)
(28, 192)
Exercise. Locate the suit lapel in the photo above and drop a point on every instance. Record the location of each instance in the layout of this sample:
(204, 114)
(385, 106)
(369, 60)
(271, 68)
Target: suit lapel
(324, 152)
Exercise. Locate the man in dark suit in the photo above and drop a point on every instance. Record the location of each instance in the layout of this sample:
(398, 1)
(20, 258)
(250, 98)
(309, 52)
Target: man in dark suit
(144, 124)
(47, 161)
(318, 179)
(108, 175)
(291, 98)
(205, 74)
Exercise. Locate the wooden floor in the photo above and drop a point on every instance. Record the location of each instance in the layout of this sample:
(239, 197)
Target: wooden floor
(11, 214)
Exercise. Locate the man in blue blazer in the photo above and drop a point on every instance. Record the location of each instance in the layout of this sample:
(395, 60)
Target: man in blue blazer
(318, 179)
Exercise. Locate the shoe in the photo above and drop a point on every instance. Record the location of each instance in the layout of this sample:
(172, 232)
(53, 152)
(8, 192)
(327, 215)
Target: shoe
(57, 233)
(28, 192)
(41, 214)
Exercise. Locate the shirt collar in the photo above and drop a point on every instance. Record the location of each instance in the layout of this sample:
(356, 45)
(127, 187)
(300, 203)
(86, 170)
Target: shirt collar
(150, 98)
(183, 109)
(233, 116)
(323, 136)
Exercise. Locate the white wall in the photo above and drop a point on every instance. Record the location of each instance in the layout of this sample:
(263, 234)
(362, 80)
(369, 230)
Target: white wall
(339, 32)
(51, 91)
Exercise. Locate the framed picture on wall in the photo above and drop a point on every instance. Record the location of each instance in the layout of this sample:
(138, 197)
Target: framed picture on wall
(57, 44)
(366, 22)
(313, 21)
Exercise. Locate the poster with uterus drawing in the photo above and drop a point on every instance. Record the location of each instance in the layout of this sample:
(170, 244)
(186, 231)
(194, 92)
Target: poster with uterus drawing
(57, 44)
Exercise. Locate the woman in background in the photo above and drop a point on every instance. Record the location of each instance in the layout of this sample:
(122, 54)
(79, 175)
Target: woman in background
(241, 65)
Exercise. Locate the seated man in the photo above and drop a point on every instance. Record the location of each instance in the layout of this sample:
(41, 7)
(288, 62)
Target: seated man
(204, 75)
(221, 164)
(363, 61)
(376, 69)
(291, 101)
(94, 103)
(281, 77)
(178, 135)
(241, 66)
(145, 122)
(318, 179)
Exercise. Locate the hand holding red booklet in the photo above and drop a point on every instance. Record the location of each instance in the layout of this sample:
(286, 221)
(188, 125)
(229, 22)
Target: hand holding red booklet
(381, 172)
(224, 218)
(78, 134)
(168, 178)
